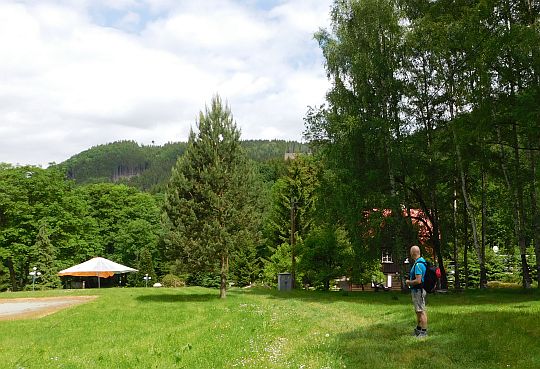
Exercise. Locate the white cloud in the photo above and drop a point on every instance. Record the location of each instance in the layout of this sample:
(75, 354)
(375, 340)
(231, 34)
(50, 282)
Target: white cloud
(129, 21)
(71, 79)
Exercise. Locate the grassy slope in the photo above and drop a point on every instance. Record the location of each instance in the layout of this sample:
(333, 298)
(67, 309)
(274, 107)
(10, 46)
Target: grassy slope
(191, 328)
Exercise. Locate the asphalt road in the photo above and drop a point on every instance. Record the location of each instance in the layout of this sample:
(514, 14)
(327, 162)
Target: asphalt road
(14, 308)
(31, 307)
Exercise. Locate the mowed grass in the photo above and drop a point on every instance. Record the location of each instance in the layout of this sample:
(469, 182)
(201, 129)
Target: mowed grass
(192, 328)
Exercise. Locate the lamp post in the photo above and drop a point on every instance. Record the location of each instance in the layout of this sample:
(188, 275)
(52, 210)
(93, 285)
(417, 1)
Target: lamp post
(34, 273)
(146, 278)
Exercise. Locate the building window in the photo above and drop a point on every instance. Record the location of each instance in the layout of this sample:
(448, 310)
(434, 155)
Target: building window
(386, 257)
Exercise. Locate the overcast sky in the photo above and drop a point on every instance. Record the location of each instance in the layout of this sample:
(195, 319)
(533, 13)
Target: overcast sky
(79, 73)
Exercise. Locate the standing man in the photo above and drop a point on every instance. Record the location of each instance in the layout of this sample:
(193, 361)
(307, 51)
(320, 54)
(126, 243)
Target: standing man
(415, 283)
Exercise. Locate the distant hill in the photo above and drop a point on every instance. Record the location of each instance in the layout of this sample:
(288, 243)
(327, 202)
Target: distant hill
(148, 167)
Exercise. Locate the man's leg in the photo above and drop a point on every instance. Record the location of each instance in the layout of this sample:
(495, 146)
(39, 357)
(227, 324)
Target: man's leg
(421, 319)
(418, 308)
(419, 300)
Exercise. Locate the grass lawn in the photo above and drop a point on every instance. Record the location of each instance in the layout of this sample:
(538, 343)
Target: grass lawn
(191, 328)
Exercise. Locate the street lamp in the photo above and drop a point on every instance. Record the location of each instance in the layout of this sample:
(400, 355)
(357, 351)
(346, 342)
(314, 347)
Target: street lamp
(34, 273)
(146, 278)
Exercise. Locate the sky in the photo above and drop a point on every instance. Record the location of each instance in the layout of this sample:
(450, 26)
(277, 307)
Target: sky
(80, 73)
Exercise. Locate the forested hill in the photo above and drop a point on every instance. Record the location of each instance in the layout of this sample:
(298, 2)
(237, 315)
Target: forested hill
(148, 167)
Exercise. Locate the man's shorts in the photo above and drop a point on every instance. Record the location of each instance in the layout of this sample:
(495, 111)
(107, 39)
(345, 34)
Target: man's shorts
(419, 299)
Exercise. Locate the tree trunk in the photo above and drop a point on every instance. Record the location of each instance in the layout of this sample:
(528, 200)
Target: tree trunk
(483, 274)
(12, 276)
(510, 188)
(224, 271)
(326, 284)
(466, 247)
(457, 281)
(522, 240)
(535, 215)
(469, 207)
(534, 154)
(437, 245)
(460, 167)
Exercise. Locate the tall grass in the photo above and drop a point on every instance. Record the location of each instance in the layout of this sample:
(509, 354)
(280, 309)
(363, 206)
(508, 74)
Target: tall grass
(192, 328)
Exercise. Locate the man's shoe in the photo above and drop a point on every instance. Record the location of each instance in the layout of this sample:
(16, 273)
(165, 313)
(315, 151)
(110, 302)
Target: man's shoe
(422, 334)
(417, 331)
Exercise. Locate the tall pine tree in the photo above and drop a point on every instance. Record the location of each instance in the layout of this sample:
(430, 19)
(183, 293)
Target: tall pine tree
(211, 196)
(45, 259)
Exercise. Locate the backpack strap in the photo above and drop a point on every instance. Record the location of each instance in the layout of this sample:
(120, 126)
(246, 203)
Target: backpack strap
(421, 262)
(421, 285)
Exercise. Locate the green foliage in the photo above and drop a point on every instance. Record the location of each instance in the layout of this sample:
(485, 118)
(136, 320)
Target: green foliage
(33, 200)
(171, 280)
(47, 222)
(501, 267)
(145, 267)
(326, 254)
(265, 151)
(128, 220)
(279, 262)
(145, 167)
(431, 108)
(146, 264)
(204, 279)
(211, 200)
(245, 266)
(45, 259)
(293, 204)
(497, 284)
(359, 132)
(148, 168)
(4, 278)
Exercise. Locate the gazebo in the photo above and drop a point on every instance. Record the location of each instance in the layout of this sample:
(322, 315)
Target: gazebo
(96, 267)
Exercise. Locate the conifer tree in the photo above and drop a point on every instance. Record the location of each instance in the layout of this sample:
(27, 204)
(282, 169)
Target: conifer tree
(46, 259)
(211, 196)
(146, 266)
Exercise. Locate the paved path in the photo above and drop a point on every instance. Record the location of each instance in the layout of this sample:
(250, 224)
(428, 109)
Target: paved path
(37, 307)
(11, 308)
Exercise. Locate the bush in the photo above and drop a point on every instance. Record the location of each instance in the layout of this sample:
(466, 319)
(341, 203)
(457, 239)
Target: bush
(279, 262)
(204, 279)
(171, 280)
(497, 284)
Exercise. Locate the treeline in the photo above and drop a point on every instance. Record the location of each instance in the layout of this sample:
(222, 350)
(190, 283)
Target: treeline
(148, 167)
(49, 223)
(434, 106)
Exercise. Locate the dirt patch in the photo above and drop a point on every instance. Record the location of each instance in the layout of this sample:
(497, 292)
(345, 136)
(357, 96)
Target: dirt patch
(33, 308)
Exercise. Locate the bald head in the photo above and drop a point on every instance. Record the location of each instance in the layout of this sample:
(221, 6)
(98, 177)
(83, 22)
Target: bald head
(415, 252)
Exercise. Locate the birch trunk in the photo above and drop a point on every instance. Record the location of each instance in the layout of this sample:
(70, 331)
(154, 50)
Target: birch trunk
(535, 214)
(469, 208)
(483, 274)
(522, 240)
(457, 281)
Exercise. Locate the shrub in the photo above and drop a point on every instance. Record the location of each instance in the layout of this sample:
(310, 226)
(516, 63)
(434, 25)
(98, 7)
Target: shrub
(497, 284)
(171, 280)
(204, 279)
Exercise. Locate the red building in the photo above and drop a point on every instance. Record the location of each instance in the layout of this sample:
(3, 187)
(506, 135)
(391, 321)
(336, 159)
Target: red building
(391, 266)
